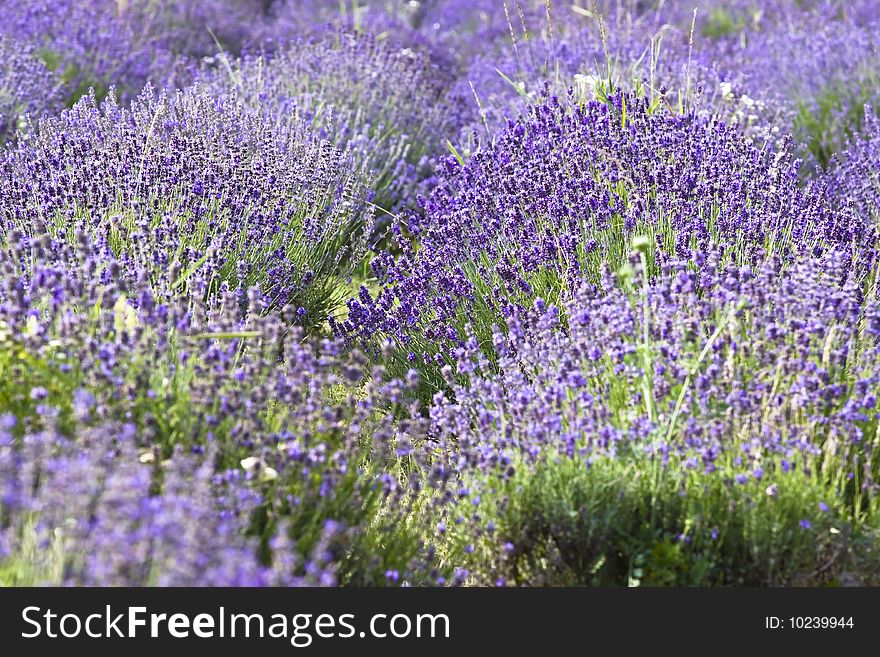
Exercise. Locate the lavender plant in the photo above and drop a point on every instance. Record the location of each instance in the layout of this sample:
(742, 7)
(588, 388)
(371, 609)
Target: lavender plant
(824, 92)
(99, 44)
(214, 443)
(811, 64)
(27, 87)
(477, 26)
(87, 44)
(634, 55)
(740, 398)
(86, 512)
(386, 104)
(628, 338)
(855, 176)
(385, 19)
(182, 182)
(566, 189)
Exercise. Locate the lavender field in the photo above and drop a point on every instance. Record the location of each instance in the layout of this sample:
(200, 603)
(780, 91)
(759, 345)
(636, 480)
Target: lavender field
(439, 292)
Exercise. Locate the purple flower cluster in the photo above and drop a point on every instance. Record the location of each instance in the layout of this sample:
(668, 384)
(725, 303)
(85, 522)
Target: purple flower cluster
(180, 424)
(475, 25)
(854, 177)
(596, 58)
(87, 44)
(100, 521)
(728, 368)
(774, 68)
(824, 93)
(104, 43)
(27, 87)
(726, 378)
(565, 189)
(722, 19)
(393, 21)
(384, 103)
(191, 182)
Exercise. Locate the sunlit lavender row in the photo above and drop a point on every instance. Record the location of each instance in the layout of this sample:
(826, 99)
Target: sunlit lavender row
(439, 293)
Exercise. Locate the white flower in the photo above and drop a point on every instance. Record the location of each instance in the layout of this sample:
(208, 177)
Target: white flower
(726, 89)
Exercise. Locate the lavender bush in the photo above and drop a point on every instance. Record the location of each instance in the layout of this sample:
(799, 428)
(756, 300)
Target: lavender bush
(386, 104)
(812, 65)
(27, 88)
(188, 182)
(753, 383)
(855, 175)
(824, 93)
(86, 44)
(98, 44)
(597, 58)
(83, 513)
(566, 189)
(182, 422)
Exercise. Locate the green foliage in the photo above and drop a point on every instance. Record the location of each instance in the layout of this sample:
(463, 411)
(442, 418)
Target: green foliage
(627, 523)
(29, 566)
(833, 117)
(721, 23)
(75, 82)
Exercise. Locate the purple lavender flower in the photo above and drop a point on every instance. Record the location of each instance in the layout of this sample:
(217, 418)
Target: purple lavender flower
(568, 187)
(103, 44)
(719, 341)
(386, 104)
(854, 177)
(256, 419)
(189, 184)
(27, 87)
